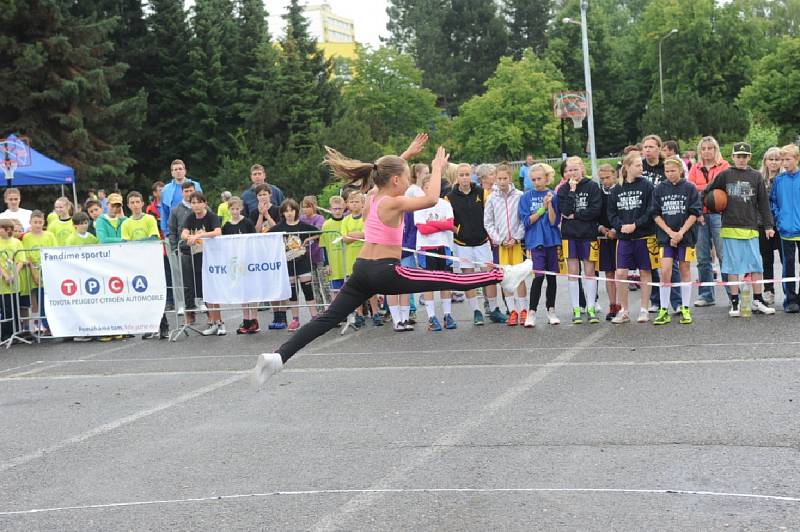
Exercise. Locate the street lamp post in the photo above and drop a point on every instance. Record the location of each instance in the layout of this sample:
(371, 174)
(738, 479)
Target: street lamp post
(673, 31)
(587, 75)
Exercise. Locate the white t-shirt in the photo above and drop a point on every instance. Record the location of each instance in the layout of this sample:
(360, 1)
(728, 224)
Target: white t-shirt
(441, 211)
(413, 191)
(23, 215)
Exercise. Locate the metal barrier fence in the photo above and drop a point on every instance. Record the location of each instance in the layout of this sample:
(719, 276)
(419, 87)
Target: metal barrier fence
(307, 278)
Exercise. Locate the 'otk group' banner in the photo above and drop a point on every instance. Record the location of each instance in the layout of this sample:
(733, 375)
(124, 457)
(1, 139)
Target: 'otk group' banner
(241, 269)
(104, 290)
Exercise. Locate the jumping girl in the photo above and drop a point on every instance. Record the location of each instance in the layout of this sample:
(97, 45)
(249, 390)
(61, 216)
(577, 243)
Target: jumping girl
(378, 269)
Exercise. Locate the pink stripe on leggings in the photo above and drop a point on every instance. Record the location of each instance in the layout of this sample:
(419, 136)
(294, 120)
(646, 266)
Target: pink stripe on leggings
(456, 278)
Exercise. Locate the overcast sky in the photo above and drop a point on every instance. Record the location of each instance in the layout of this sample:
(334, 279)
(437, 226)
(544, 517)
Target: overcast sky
(369, 17)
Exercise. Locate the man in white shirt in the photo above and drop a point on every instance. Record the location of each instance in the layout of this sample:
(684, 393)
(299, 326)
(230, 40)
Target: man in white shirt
(12, 197)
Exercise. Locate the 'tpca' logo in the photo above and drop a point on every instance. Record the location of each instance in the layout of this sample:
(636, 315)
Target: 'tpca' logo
(114, 285)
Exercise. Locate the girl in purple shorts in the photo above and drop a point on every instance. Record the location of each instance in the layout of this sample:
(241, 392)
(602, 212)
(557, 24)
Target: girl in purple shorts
(630, 213)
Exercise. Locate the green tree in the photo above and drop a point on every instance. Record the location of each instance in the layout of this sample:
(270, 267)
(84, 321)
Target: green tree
(527, 22)
(775, 90)
(167, 79)
(511, 118)
(386, 95)
(56, 74)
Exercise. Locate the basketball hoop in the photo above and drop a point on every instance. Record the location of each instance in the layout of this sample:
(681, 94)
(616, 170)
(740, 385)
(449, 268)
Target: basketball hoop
(14, 152)
(572, 105)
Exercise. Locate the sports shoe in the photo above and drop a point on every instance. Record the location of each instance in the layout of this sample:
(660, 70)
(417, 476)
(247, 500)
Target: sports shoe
(497, 316)
(530, 320)
(211, 330)
(477, 318)
(513, 319)
(760, 308)
(449, 322)
(663, 317)
(644, 316)
(244, 328)
(400, 327)
(434, 325)
(592, 315)
(377, 321)
(412, 317)
(552, 319)
(577, 317)
(486, 309)
(686, 315)
(221, 329)
(278, 325)
(734, 311)
(514, 275)
(106, 338)
(83, 338)
(612, 311)
(409, 326)
(792, 308)
(703, 303)
(523, 316)
(621, 317)
(359, 321)
(295, 324)
(148, 336)
(769, 298)
(268, 364)
(457, 297)
(653, 308)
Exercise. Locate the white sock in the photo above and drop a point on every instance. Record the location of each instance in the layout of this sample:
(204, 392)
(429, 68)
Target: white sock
(492, 302)
(404, 310)
(663, 293)
(523, 303)
(590, 285)
(430, 307)
(447, 305)
(395, 312)
(574, 293)
(473, 303)
(511, 301)
(686, 295)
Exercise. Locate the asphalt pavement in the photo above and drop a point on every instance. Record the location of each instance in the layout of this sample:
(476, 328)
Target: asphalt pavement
(568, 427)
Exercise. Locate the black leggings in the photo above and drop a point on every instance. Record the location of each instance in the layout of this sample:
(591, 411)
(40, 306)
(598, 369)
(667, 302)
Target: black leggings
(382, 276)
(767, 246)
(536, 292)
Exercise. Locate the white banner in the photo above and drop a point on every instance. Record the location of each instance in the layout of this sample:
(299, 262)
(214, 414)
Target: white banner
(241, 269)
(104, 290)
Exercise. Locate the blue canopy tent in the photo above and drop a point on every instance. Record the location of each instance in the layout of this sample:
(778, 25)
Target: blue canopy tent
(44, 171)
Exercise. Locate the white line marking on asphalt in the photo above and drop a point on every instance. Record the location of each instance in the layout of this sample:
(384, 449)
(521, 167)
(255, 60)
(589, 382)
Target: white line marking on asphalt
(401, 491)
(22, 366)
(617, 363)
(117, 423)
(395, 476)
(565, 348)
(40, 369)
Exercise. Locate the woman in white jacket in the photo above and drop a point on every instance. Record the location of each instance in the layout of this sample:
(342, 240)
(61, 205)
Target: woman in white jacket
(505, 230)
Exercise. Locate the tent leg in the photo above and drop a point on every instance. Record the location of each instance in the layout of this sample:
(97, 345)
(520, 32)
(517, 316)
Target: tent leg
(74, 195)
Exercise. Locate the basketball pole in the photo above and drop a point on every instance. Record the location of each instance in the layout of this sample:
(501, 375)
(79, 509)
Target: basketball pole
(587, 74)
(563, 142)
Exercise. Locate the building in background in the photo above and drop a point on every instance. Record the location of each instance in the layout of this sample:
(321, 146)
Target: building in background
(335, 36)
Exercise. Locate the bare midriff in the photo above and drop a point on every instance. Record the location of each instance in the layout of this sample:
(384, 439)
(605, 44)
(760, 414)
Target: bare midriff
(372, 251)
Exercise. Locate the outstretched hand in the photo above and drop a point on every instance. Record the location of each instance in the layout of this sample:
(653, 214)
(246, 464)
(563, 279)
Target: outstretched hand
(416, 146)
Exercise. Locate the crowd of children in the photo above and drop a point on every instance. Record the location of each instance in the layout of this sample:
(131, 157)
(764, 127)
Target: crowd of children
(647, 216)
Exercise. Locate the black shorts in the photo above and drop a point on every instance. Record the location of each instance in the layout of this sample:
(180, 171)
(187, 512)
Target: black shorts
(435, 264)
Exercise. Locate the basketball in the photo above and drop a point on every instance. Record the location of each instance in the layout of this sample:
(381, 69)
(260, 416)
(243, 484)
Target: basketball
(716, 200)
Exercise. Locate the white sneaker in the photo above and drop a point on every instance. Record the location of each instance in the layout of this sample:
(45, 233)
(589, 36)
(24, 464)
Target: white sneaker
(213, 329)
(516, 274)
(203, 307)
(760, 308)
(621, 317)
(268, 364)
(530, 320)
(221, 330)
(734, 312)
(181, 311)
(769, 298)
(644, 316)
(653, 308)
(552, 319)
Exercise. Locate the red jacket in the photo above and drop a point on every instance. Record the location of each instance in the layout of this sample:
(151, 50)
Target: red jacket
(701, 177)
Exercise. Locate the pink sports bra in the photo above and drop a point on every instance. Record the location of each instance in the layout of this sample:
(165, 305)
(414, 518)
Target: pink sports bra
(376, 232)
